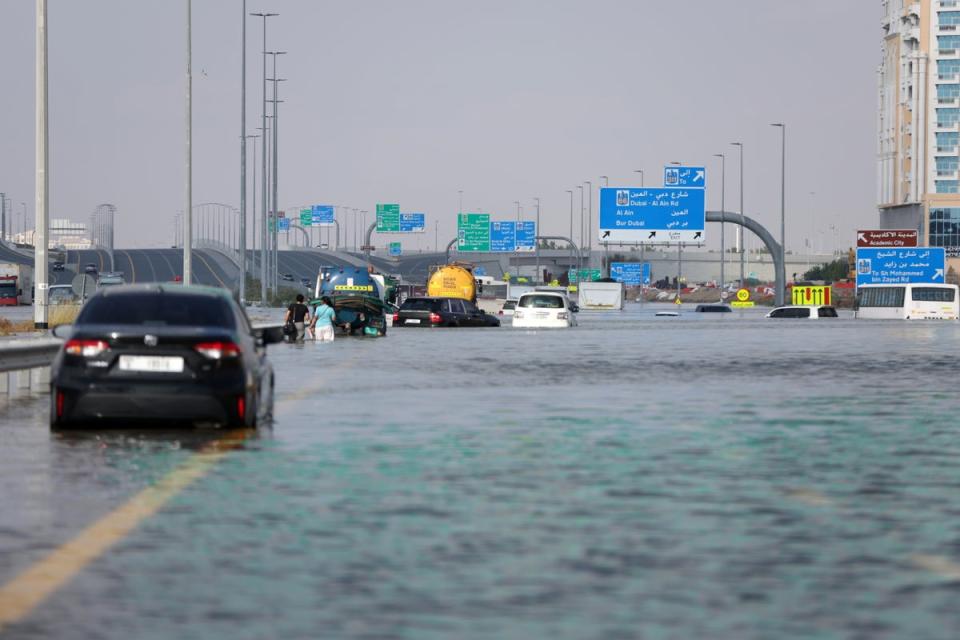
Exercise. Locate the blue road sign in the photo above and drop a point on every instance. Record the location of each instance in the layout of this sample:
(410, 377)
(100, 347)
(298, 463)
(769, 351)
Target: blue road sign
(322, 214)
(652, 215)
(284, 224)
(903, 265)
(526, 236)
(632, 274)
(395, 248)
(480, 271)
(503, 236)
(412, 223)
(684, 177)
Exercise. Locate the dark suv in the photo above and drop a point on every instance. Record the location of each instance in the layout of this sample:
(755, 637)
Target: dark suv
(442, 312)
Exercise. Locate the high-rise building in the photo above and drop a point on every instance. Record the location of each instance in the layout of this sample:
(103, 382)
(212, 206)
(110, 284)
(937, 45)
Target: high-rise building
(918, 160)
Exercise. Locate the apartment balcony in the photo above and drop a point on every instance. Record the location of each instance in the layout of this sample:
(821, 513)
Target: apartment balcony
(949, 4)
(947, 102)
(946, 175)
(947, 151)
(947, 127)
(948, 78)
(948, 54)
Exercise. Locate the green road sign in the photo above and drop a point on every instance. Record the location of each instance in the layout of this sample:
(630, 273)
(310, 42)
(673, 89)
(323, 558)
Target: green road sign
(473, 232)
(388, 218)
(584, 275)
(306, 217)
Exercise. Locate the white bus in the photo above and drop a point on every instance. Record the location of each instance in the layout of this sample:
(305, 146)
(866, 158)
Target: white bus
(908, 301)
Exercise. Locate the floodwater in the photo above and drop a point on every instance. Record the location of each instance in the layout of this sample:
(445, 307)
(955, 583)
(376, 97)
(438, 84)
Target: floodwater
(715, 476)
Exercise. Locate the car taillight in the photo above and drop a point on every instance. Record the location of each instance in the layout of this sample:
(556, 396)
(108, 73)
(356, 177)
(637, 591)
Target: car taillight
(396, 318)
(217, 350)
(435, 318)
(85, 348)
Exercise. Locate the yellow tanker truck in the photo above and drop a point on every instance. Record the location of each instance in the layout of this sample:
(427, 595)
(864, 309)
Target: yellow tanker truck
(453, 281)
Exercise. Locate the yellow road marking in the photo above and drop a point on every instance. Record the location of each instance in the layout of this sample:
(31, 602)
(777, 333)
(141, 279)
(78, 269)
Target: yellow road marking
(200, 256)
(26, 591)
(23, 593)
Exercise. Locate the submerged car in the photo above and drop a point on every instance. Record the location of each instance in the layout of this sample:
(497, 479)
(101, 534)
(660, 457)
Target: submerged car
(442, 312)
(509, 305)
(160, 352)
(544, 309)
(793, 311)
(712, 308)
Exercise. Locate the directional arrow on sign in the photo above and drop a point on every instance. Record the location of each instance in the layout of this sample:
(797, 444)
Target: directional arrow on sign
(698, 234)
(606, 234)
(653, 234)
(938, 274)
(698, 177)
(861, 237)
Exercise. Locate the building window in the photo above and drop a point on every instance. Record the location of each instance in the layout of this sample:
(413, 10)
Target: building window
(948, 90)
(945, 227)
(946, 186)
(948, 43)
(946, 165)
(947, 140)
(947, 117)
(947, 68)
(949, 17)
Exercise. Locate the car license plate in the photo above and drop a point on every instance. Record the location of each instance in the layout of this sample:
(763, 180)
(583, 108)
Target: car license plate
(543, 314)
(153, 364)
(411, 321)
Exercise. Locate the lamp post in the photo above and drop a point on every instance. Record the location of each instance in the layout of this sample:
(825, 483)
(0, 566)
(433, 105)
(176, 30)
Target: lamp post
(460, 193)
(589, 227)
(276, 137)
(740, 238)
(536, 243)
(43, 180)
(188, 195)
(783, 208)
(263, 165)
(640, 171)
(570, 191)
(723, 194)
(242, 284)
(580, 262)
(515, 228)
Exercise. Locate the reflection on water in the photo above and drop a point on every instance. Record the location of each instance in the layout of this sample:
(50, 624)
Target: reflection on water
(723, 477)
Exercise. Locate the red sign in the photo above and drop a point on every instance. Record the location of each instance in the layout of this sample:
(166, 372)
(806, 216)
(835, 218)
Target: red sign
(887, 238)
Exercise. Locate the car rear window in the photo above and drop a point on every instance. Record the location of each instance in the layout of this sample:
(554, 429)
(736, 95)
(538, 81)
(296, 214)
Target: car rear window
(418, 304)
(510, 304)
(541, 302)
(169, 309)
(827, 312)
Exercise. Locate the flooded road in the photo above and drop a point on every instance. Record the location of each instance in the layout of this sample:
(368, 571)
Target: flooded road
(721, 476)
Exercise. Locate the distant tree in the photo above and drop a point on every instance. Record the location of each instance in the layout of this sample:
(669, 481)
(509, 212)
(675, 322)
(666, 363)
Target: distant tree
(830, 272)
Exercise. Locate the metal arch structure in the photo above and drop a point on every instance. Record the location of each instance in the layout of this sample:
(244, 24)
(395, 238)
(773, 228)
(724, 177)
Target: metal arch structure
(208, 214)
(306, 236)
(776, 251)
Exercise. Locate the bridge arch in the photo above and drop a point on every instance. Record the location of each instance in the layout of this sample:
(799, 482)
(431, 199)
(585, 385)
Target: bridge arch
(776, 251)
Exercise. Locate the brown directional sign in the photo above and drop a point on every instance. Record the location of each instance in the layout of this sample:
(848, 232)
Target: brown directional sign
(887, 238)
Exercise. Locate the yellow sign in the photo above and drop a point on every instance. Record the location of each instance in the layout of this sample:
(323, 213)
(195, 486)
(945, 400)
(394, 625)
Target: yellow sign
(743, 295)
(358, 287)
(677, 300)
(810, 295)
(742, 303)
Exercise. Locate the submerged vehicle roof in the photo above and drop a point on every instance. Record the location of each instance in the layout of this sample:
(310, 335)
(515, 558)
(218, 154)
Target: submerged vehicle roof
(347, 281)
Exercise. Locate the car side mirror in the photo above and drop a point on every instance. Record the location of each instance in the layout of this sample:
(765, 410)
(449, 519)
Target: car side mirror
(272, 334)
(62, 331)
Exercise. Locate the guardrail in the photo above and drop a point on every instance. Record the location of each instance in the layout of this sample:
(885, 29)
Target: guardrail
(25, 363)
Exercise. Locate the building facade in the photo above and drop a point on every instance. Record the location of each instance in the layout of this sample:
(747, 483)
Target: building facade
(918, 121)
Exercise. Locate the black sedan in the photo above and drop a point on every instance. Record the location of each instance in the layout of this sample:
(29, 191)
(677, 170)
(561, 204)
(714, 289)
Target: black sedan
(442, 312)
(162, 352)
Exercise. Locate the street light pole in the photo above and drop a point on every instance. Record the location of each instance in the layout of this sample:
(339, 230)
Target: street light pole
(570, 191)
(188, 199)
(580, 262)
(43, 170)
(263, 166)
(536, 244)
(740, 238)
(640, 171)
(723, 192)
(589, 227)
(242, 284)
(275, 236)
(460, 192)
(783, 209)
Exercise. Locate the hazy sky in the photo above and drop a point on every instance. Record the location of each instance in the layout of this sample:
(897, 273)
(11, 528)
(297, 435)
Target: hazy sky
(411, 101)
